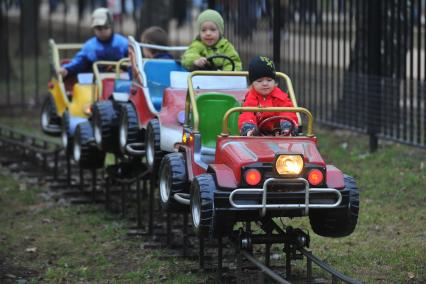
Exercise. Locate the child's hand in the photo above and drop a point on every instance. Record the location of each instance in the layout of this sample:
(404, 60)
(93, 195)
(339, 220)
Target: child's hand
(288, 128)
(200, 62)
(63, 72)
(248, 129)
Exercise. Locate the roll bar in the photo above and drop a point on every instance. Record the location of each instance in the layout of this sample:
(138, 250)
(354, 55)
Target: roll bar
(54, 49)
(190, 97)
(309, 133)
(122, 62)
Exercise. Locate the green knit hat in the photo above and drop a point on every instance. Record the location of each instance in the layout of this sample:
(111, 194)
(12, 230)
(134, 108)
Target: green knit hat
(213, 16)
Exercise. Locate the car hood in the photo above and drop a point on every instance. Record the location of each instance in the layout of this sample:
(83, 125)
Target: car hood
(236, 154)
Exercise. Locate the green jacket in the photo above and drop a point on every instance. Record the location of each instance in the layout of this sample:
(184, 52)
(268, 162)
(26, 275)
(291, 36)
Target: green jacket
(198, 49)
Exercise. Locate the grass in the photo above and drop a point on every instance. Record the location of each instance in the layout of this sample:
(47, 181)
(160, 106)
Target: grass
(68, 244)
(85, 244)
(389, 244)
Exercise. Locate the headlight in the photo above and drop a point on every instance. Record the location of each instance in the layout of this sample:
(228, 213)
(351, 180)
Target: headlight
(289, 165)
(187, 138)
(87, 109)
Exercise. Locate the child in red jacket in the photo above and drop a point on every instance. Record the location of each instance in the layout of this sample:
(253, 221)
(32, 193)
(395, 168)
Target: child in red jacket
(265, 93)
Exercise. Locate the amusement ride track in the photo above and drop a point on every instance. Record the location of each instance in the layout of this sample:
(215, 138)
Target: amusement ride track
(242, 260)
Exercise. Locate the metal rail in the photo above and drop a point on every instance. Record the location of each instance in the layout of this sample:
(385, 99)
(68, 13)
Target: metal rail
(114, 173)
(272, 274)
(294, 240)
(32, 143)
(325, 266)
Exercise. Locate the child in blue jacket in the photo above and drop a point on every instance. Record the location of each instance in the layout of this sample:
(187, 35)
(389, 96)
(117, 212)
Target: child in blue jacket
(105, 45)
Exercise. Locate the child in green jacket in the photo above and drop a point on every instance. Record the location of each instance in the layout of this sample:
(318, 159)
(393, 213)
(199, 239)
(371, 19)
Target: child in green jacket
(210, 41)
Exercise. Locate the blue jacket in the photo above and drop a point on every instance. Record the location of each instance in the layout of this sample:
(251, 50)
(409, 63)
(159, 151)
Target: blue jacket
(163, 55)
(94, 50)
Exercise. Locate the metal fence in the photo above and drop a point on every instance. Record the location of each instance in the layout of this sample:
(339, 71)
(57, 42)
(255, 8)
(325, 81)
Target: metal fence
(356, 64)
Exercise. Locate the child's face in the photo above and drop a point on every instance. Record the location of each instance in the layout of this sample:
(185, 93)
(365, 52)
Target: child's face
(147, 53)
(103, 33)
(264, 85)
(209, 33)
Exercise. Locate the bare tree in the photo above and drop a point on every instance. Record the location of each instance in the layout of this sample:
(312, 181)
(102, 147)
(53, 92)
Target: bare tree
(154, 13)
(6, 67)
(29, 27)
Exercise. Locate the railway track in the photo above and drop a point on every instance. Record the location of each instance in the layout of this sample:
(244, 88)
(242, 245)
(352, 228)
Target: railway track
(243, 257)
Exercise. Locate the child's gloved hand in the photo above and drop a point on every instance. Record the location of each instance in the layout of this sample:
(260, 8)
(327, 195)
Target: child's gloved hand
(248, 129)
(200, 62)
(287, 128)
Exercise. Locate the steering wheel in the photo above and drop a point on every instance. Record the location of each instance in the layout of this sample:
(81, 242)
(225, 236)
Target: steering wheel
(212, 66)
(262, 131)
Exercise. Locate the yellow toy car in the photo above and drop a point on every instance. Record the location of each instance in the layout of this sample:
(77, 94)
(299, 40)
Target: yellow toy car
(70, 99)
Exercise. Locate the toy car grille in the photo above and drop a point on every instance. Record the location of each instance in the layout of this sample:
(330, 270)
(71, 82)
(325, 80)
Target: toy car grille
(283, 187)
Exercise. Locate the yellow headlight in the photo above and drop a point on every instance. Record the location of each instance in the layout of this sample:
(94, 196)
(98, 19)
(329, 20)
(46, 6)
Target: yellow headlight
(87, 109)
(289, 165)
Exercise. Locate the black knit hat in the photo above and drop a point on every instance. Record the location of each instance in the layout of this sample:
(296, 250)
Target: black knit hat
(261, 66)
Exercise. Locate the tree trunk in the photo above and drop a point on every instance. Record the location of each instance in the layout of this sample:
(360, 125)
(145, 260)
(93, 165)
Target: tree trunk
(6, 71)
(29, 27)
(154, 13)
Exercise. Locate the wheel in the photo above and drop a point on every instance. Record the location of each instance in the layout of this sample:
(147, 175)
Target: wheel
(104, 121)
(50, 121)
(213, 66)
(85, 152)
(202, 205)
(340, 222)
(173, 179)
(128, 126)
(275, 121)
(205, 221)
(66, 138)
(152, 145)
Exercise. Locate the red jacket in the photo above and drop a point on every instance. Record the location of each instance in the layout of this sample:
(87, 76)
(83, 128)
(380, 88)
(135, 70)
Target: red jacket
(277, 98)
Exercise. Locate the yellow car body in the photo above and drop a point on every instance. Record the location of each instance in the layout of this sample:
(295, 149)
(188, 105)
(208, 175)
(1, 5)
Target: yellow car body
(82, 97)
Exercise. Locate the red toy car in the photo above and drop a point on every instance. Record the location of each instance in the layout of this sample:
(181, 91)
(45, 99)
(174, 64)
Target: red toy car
(151, 124)
(227, 178)
(119, 123)
(150, 96)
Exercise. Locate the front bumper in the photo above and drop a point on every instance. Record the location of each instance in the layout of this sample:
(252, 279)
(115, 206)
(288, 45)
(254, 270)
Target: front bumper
(279, 197)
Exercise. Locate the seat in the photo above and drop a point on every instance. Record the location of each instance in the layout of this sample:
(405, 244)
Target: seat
(122, 86)
(158, 77)
(107, 87)
(211, 110)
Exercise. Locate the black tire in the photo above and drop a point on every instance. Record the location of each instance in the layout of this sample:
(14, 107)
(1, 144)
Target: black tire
(85, 152)
(202, 205)
(340, 222)
(128, 126)
(105, 126)
(152, 145)
(50, 121)
(173, 178)
(67, 140)
(205, 221)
